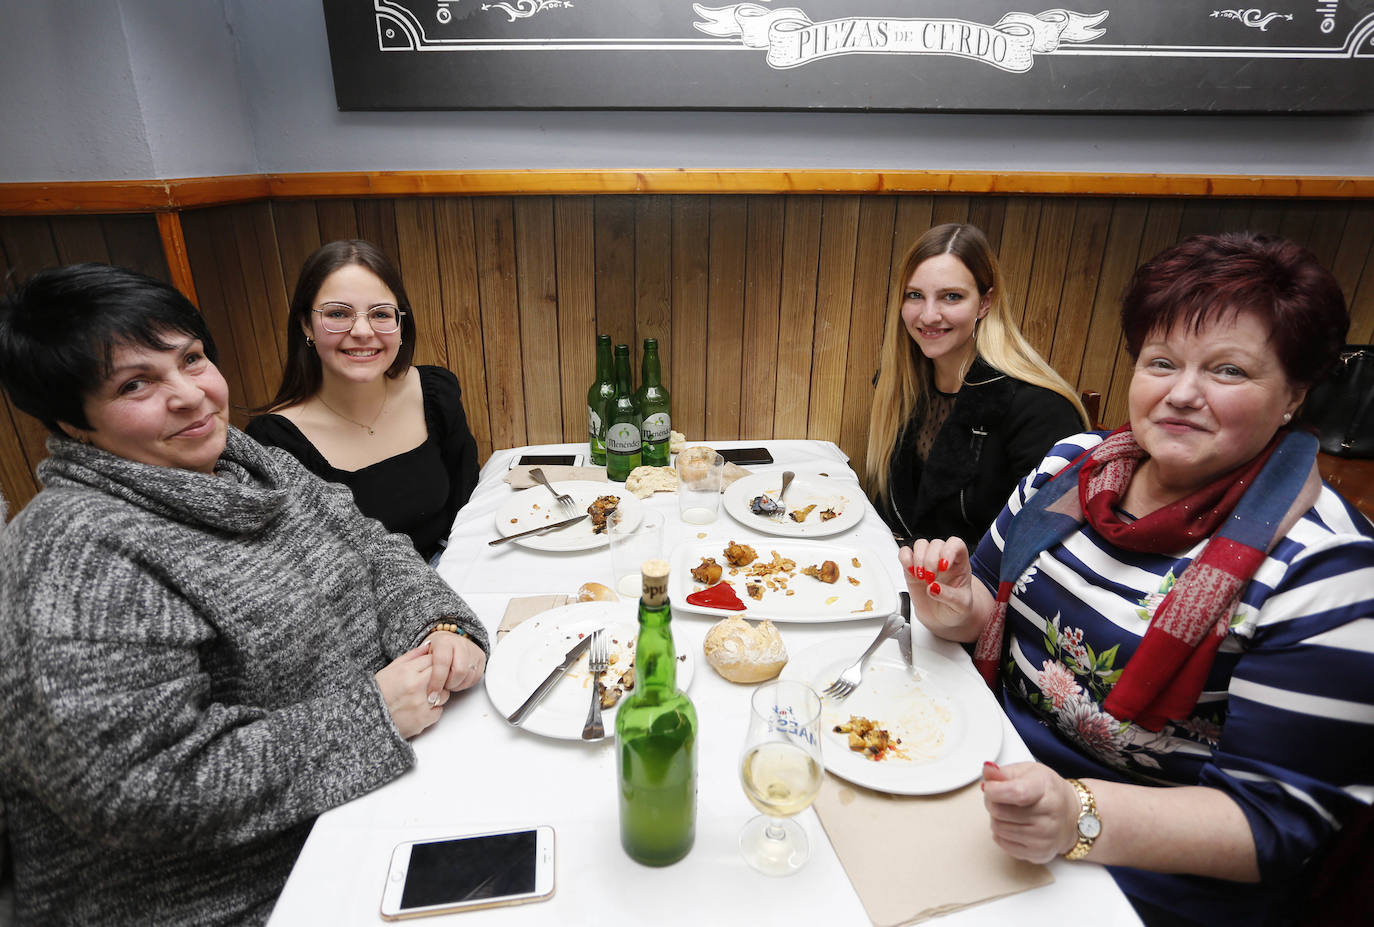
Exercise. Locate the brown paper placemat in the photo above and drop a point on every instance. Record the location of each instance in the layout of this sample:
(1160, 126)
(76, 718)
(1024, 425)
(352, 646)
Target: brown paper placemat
(527, 607)
(519, 477)
(911, 858)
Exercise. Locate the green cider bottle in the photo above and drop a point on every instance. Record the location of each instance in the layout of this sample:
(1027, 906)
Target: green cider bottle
(623, 450)
(655, 407)
(656, 739)
(599, 399)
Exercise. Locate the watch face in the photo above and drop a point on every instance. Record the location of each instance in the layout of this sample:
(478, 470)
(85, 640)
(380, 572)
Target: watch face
(1089, 826)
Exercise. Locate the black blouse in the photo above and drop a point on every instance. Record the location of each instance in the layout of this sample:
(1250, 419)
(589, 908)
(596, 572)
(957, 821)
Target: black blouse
(417, 492)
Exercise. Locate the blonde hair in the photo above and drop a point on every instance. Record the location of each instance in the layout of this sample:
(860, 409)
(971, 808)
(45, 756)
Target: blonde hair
(905, 373)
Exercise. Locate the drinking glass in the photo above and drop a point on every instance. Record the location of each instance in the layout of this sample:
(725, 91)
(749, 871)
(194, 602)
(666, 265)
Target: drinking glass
(631, 547)
(781, 772)
(699, 472)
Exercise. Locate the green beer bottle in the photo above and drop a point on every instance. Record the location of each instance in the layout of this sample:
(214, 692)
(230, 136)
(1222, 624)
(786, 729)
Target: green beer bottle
(599, 399)
(656, 739)
(623, 451)
(655, 407)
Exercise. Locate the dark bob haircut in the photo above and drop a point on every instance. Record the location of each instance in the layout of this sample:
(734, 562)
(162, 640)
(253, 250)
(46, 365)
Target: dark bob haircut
(302, 376)
(60, 328)
(1211, 278)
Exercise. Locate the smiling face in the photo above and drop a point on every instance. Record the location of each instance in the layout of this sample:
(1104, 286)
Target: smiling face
(360, 355)
(1204, 402)
(940, 308)
(167, 408)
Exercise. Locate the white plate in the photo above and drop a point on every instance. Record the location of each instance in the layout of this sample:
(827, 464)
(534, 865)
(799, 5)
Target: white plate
(810, 599)
(530, 508)
(890, 696)
(844, 496)
(524, 657)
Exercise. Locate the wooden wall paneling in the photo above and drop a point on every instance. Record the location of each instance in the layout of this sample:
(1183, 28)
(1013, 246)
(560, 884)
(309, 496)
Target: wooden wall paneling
(762, 293)
(28, 244)
(653, 277)
(949, 208)
(1103, 344)
(910, 223)
(1233, 216)
(989, 213)
(801, 243)
(1073, 315)
(493, 222)
(1266, 216)
(338, 221)
(834, 299)
(1161, 230)
(1328, 229)
(872, 273)
(615, 273)
(296, 225)
(203, 239)
(418, 260)
(537, 295)
(235, 249)
(1354, 250)
(456, 253)
(377, 224)
(262, 288)
(133, 242)
(1048, 273)
(692, 344)
(1362, 307)
(1017, 254)
(79, 239)
(18, 434)
(575, 268)
(1200, 217)
(725, 317)
(1299, 222)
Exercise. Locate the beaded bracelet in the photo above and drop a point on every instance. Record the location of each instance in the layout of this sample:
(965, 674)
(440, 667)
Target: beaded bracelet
(448, 626)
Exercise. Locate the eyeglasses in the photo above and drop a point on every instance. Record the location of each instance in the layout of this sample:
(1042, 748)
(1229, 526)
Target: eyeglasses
(340, 317)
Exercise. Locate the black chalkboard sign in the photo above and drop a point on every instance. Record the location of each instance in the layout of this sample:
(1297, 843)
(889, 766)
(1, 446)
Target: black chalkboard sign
(952, 55)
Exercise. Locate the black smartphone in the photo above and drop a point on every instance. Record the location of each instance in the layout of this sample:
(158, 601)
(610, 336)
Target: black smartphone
(746, 456)
(548, 460)
(465, 873)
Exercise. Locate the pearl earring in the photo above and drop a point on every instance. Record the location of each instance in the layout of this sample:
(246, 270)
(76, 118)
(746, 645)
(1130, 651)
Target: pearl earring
(309, 342)
(1287, 417)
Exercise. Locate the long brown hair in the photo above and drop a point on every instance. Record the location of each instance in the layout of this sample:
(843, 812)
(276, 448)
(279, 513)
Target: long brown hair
(303, 375)
(905, 373)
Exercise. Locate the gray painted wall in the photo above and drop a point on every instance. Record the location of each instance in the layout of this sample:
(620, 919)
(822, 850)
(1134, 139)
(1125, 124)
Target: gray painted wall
(139, 89)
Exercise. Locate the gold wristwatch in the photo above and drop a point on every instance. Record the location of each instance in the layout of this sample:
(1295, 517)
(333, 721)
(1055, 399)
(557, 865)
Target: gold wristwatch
(1089, 824)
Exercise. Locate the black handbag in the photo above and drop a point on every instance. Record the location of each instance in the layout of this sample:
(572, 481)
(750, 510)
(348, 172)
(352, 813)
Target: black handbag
(1340, 409)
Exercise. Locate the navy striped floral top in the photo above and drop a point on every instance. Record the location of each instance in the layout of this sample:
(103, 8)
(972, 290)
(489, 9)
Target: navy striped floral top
(1285, 724)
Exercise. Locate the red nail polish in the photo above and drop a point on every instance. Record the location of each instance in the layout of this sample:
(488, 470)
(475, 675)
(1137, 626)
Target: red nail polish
(922, 575)
(982, 787)
(911, 570)
(944, 564)
(991, 763)
(934, 588)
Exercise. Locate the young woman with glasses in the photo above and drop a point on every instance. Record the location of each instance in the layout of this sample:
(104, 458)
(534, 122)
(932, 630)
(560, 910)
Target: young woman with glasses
(353, 409)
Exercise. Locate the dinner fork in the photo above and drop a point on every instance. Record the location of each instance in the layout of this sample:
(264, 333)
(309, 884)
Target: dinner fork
(598, 658)
(565, 501)
(781, 513)
(845, 684)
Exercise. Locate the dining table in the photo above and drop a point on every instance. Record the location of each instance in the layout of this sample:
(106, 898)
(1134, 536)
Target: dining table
(475, 772)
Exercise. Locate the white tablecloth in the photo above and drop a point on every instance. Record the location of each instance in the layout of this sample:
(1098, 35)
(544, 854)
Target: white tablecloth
(475, 772)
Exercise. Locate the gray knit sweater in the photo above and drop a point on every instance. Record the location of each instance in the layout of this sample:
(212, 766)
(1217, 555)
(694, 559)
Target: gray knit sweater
(186, 679)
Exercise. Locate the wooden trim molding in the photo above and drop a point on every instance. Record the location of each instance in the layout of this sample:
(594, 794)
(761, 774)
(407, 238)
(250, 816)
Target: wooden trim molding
(94, 196)
(178, 261)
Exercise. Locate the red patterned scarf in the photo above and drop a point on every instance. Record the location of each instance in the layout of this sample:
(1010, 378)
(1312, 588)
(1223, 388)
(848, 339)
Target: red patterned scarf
(1243, 514)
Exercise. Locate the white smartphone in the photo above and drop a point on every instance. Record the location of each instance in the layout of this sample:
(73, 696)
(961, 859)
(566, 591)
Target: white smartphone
(467, 873)
(548, 460)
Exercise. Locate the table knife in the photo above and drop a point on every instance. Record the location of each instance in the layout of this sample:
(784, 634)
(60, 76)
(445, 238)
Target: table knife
(543, 529)
(904, 636)
(550, 681)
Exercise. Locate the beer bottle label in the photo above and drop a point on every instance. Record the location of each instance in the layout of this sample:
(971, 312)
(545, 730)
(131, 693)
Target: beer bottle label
(622, 438)
(593, 422)
(657, 427)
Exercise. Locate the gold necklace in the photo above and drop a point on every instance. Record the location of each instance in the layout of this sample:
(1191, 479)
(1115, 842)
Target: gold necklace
(386, 394)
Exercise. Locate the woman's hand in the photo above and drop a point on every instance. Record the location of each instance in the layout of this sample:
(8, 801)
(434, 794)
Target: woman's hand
(944, 595)
(458, 663)
(1034, 810)
(405, 689)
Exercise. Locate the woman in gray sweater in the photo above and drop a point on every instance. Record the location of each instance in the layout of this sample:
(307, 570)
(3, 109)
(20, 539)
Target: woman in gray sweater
(202, 645)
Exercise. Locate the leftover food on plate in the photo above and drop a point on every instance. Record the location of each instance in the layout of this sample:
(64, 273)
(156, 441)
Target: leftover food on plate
(707, 572)
(765, 505)
(827, 572)
(866, 737)
(738, 555)
(741, 652)
(645, 481)
(799, 515)
(721, 595)
(596, 592)
(600, 510)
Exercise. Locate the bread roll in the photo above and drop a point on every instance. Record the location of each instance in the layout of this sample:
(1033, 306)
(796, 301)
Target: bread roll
(596, 592)
(742, 652)
(645, 481)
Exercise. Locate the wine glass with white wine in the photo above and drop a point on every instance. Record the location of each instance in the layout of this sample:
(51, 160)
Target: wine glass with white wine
(781, 772)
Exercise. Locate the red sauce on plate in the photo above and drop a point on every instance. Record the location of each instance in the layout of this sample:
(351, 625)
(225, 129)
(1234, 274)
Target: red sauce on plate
(721, 595)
